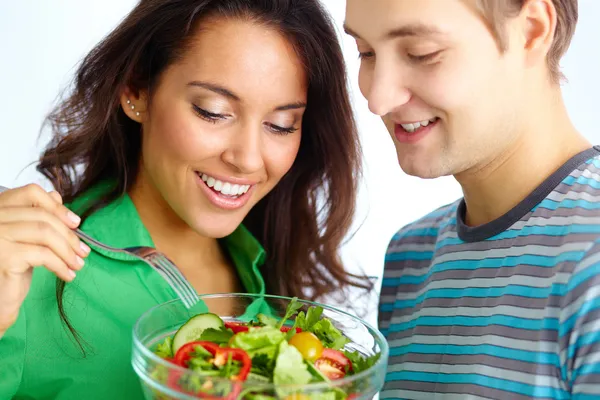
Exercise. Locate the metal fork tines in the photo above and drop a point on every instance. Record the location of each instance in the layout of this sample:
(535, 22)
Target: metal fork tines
(159, 262)
(155, 259)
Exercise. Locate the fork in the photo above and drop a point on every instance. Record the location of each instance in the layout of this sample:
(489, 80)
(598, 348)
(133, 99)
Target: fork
(155, 259)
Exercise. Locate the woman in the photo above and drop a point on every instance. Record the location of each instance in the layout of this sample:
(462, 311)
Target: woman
(190, 118)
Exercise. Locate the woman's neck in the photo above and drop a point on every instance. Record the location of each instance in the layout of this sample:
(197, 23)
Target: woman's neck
(170, 234)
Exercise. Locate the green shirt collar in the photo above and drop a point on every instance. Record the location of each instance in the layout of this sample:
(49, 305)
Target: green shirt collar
(119, 225)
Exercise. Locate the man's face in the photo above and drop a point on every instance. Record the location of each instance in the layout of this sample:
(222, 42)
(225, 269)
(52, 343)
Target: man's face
(433, 70)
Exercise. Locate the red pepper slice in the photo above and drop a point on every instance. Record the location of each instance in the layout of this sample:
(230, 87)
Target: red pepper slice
(220, 358)
(286, 329)
(222, 355)
(184, 353)
(236, 327)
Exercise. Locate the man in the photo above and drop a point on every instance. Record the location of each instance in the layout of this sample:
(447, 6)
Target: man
(496, 296)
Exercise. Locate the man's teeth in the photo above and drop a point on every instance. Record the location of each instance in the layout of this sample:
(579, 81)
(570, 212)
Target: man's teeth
(226, 188)
(414, 126)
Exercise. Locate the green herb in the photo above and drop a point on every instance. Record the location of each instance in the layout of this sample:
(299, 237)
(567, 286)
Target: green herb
(359, 362)
(262, 365)
(218, 336)
(307, 321)
(164, 349)
(329, 334)
(292, 308)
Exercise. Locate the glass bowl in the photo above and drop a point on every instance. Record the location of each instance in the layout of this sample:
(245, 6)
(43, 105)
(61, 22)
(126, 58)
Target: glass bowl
(164, 320)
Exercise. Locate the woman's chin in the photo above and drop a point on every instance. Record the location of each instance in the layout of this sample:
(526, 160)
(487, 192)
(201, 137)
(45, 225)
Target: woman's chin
(216, 227)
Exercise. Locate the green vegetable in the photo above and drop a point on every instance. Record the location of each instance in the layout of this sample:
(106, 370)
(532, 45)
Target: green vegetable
(202, 361)
(311, 321)
(307, 321)
(218, 336)
(337, 393)
(164, 349)
(329, 395)
(265, 320)
(193, 329)
(262, 365)
(360, 363)
(292, 308)
(274, 360)
(329, 335)
(258, 379)
(290, 334)
(290, 368)
(317, 375)
(263, 340)
(257, 397)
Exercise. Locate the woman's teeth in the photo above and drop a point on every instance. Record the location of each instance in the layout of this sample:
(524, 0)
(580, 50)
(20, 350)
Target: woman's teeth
(226, 188)
(414, 126)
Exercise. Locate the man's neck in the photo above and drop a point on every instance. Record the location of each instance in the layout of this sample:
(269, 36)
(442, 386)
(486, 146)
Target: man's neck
(548, 140)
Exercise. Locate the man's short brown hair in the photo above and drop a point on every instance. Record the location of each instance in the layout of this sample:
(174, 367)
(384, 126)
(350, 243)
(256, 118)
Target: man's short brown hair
(497, 11)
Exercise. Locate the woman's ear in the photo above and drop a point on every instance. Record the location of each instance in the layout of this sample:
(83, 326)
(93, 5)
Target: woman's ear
(134, 104)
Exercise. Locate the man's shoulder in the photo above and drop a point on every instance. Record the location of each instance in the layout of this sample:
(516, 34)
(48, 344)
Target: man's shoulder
(424, 230)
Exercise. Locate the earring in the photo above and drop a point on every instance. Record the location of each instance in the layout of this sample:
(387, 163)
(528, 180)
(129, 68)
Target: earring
(137, 113)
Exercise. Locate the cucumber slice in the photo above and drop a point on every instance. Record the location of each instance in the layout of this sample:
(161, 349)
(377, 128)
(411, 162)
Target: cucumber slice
(193, 329)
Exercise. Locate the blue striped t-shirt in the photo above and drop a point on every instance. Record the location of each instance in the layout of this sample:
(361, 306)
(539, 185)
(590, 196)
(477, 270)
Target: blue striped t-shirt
(506, 310)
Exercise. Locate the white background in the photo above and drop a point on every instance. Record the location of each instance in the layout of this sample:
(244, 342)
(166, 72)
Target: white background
(42, 41)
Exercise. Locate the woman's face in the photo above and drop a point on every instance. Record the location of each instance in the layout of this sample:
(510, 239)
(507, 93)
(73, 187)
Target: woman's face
(223, 125)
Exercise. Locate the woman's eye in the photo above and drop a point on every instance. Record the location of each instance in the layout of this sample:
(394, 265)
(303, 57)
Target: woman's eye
(280, 130)
(207, 115)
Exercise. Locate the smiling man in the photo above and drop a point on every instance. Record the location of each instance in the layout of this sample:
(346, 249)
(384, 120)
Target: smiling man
(496, 296)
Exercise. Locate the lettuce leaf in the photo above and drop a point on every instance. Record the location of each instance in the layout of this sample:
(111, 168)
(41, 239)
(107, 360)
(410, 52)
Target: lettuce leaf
(218, 336)
(263, 340)
(290, 368)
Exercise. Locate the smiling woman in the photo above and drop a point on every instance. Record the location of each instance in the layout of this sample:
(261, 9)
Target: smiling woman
(207, 129)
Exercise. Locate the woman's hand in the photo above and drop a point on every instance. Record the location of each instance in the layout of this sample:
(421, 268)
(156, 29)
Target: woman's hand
(36, 230)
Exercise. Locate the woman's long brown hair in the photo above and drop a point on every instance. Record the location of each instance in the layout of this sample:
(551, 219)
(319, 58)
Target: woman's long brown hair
(304, 220)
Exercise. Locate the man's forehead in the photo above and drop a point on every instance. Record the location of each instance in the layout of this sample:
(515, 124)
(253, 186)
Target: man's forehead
(389, 19)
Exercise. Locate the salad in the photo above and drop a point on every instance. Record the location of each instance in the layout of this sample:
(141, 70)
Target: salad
(260, 355)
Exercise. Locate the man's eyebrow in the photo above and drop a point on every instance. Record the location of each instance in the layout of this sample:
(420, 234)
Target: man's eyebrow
(415, 29)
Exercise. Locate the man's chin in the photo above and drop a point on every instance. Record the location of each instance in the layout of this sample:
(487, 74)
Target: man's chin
(419, 168)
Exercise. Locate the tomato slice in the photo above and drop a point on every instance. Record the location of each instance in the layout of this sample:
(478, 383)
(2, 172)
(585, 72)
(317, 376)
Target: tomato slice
(236, 327)
(333, 364)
